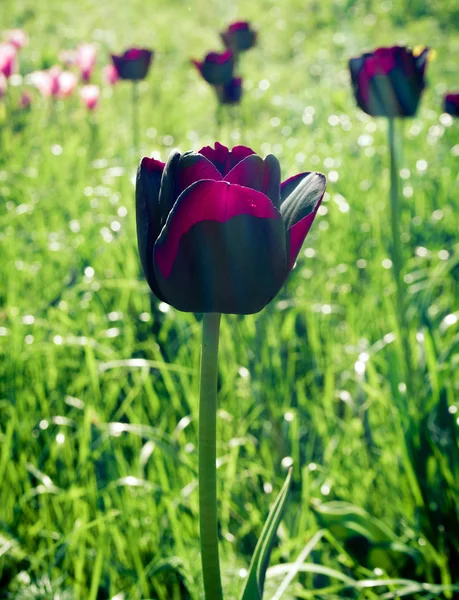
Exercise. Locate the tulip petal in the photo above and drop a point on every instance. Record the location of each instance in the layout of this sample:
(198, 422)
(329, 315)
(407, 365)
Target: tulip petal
(207, 201)
(299, 208)
(225, 159)
(223, 249)
(168, 192)
(148, 216)
(195, 167)
(258, 174)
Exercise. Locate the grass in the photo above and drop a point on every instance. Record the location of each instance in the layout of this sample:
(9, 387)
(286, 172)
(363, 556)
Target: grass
(98, 381)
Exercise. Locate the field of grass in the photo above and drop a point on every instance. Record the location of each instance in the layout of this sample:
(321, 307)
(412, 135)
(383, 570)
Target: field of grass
(99, 381)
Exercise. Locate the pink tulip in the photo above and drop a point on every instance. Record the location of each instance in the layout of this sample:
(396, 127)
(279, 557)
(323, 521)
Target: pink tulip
(110, 74)
(90, 96)
(68, 57)
(3, 85)
(8, 59)
(86, 59)
(25, 101)
(17, 38)
(54, 82)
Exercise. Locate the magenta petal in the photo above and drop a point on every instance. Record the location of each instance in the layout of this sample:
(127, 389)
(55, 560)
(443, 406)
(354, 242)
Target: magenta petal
(223, 158)
(249, 173)
(207, 201)
(151, 164)
(195, 167)
(298, 233)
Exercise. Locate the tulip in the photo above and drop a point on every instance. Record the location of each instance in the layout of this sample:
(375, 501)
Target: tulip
(54, 82)
(90, 94)
(25, 101)
(451, 105)
(216, 68)
(8, 59)
(86, 59)
(239, 37)
(389, 81)
(110, 74)
(17, 38)
(133, 64)
(231, 93)
(217, 231)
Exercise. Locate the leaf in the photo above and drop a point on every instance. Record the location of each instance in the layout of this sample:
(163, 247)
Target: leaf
(254, 584)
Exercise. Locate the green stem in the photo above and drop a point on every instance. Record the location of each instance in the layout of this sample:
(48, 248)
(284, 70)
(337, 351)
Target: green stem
(135, 119)
(208, 524)
(397, 259)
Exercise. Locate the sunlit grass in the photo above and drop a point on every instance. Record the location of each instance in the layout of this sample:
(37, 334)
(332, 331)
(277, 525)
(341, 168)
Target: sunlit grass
(98, 396)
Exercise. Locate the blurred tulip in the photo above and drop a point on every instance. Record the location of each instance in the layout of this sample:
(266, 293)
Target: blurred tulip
(217, 67)
(231, 93)
(54, 82)
(90, 95)
(389, 81)
(68, 57)
(17, 38)
(451, 104)
(110, 74)
(239, 37)
(133, 64)
(216, 229)
(8, 59)
(86, 59)
(25, 101)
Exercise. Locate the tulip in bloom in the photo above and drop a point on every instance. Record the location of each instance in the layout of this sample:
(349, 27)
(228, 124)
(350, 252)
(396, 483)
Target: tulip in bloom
(54, 82)
(389, 81)
(8, 59)
(17, 38)
(452, 104)
(216, 229)
(133, 64)
(239, 36)
(90, 95)
(86, 59)
(216, 68)
(110, 74)
(231, 93)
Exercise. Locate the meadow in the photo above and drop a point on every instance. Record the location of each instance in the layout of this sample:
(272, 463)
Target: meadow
(99, 380)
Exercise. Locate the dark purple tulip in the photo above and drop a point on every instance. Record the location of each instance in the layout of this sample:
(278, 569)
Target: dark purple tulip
(239, 36)
(231, 93)
(452, 104)
(389, 81)
(216, 229)
(217, 67)
(133, 64)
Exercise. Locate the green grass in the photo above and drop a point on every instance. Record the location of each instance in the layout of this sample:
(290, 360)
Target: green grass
(98, 384)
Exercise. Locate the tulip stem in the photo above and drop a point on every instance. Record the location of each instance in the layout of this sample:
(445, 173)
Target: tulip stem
(135, 120)
(397, 257)
(208, 523)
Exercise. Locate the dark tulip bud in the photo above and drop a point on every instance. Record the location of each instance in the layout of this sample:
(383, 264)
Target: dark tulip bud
(133, 64)
(451, 104)
(216, 68)
(239, 36)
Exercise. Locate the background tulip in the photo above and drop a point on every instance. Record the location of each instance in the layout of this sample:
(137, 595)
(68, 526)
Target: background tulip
(110, 74)
(217, 67)
(451, 104)
(239, 36)
(8, 59)
(217, 231)
(90, 95)
(133, 64)
(86, 59)
(17, 38)
(389, 81)
(230, 93)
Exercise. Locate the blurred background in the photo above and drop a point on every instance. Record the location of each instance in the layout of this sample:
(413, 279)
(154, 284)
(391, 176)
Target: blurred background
(98, 380)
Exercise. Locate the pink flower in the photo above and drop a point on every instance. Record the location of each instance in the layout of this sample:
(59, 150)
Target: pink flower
(8, 59)
(3, 85)
(17, 38)
(25, 101)
(86, 59)
(68, 57)
(90, 95)
(54, 82)
(110, 74)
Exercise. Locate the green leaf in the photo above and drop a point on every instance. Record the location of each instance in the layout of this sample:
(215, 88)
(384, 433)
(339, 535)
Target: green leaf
(254, 584)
